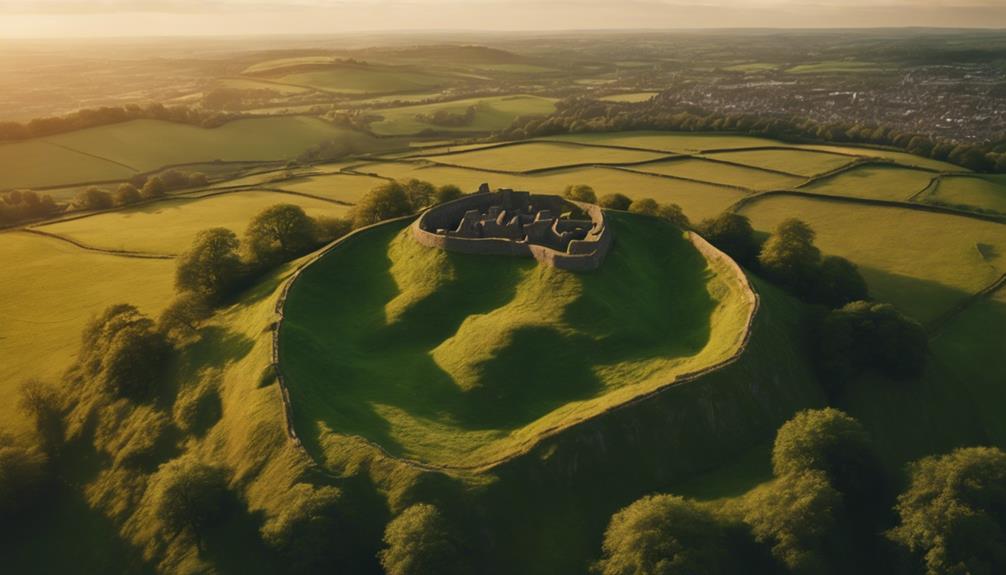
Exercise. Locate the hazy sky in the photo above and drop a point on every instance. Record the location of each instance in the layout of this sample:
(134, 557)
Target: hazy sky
(35, 18)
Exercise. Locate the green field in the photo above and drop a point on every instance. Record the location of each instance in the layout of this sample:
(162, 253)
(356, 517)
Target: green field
(924, 263)
(630, 98)
(680, 142)
(38, 163)
(278, 63)
(48, 291)
(985, 192)
(339, 187)
(168, 227)
(459, 360)
(752, 67)
(255, 84)
(698, 200)
(715, 172)
(874, 182)
(495, 113)
(796, 162)
(540, 155)
(365, 79)
(836, 67)
(903, 158)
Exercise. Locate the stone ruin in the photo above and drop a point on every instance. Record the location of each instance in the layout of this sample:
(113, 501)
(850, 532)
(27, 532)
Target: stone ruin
(562, 233)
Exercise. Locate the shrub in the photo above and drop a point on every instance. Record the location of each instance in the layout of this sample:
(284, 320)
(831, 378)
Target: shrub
(328, 229)
(447, 193)
(953, 514)
(615, 201)
(184, 314)
(790, 258)
(17, 205)
(383, 202)
(674, 214)
(420, 193)
(153, 188)
(126, 194)
(92, 199)
(580, 193)
(732, 233)
(839, 282)
(123, 351)
(211, 267)
(43, 404)
(645, 206)
(279, 233)
(418, 544)
(864, 335)
(190, 495)
(666, 535)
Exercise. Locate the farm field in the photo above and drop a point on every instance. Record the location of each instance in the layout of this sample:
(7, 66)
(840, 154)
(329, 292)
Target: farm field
(256, 84)
(494, 113)
(168, 226)
(985, 192)
(31, 165)
(541, 155)
(685, 313)
(672, 142)
(903, 158)
(339, 187)
(48, 292)
(364, 79)
(796, 162)
(632, 98)
(725, 174)
(874, 182)
(924, 263)
(836, 67)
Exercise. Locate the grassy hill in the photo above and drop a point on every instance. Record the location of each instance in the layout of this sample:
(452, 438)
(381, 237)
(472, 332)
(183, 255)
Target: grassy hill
(459, 360)
(494, 113)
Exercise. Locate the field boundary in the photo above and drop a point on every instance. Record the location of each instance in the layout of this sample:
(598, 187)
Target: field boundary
(703, 246)
(106, 251)
(936, 325)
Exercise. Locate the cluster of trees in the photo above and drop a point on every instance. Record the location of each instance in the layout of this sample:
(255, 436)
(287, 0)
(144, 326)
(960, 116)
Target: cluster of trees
(449, 119)
(580, 114)
(645, 206)
(395, 199)
(92, 117)
(827, 510)
(20, 205)
(138, 188)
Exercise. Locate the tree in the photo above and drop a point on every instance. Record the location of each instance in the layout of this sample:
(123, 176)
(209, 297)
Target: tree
(211, 267)
(418, 543)
(790, 258)
(307, 530)
(279, 233)
(184, 314)
(832, 442)
(328, 229)
(190, 496)
(615, 201)
(645, 206)
(666, 535)
(447, 193)
(420, 193)
(839, 282)
(124, 352)
(42, 403)
(383, 202)
(864, 335)
(674, 214)
(126, 194)
(953, 514)
(580, 193)
(732, 233)
(92, 199)
(153, 188)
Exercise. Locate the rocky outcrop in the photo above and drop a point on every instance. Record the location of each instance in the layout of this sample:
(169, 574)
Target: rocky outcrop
(561, 233)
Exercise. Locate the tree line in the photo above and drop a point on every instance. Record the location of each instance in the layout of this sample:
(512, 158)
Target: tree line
(582, 114)
(94, 117)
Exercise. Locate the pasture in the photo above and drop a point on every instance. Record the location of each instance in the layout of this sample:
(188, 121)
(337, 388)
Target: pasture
(985, 192)
(903, 158)
(630, 98)
(37, 163)
(795, 162)
(671, 142)
(726, 174)
(365, 79)
(540, 155)
(346, 188)
(493, 113)
(168, 226)
(874, 183)
(924, 263)
(459, 359)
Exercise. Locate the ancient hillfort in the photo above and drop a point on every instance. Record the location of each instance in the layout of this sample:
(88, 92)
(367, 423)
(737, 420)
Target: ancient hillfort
(561, 233)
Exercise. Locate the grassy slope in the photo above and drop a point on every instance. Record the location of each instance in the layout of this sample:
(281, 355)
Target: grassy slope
(480, 354)
(668, 141)
(167, 227)
(922, 262)
(800, 162)
(357, 79)
(499, 113)
(984, 192)
(343, 188)
(538, 155)
(698, 200)
(903, 158)
(49, 290)
(37, 163)
(723, 174)
(874, 182)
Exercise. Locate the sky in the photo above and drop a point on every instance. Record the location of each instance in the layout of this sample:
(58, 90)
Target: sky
(105, 18)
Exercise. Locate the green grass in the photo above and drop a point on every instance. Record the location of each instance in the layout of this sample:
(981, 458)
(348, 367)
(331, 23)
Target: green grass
(684, 142)
(836, 67)
(723, 174)
(903, 158)
(168, 227)
(460, 359)
(698, 200)
(752, 67)
(630, 98)
(48, 292)
(539, 155)
(874, 182)
(340, 187)
(278, 63)
(253, 84)
(36, 163)
(797, 162)
(985, 192)
(365, 79)
(496, 113)
(922, 262)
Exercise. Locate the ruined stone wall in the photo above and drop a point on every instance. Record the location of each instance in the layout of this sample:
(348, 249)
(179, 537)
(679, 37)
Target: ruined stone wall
(582, 255)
